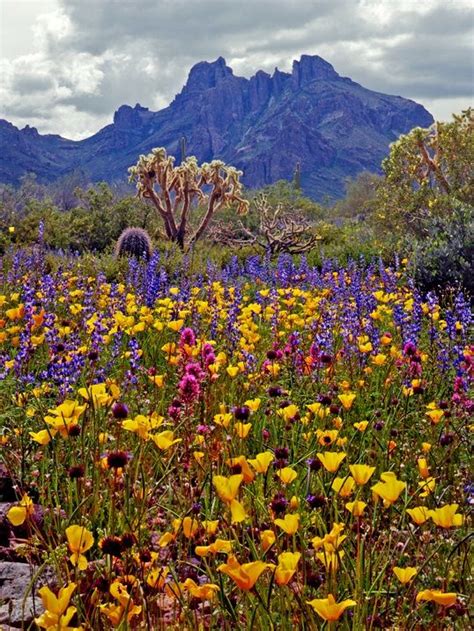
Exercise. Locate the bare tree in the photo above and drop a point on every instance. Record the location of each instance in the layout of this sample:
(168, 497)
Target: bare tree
(176, 191)
(278, 231)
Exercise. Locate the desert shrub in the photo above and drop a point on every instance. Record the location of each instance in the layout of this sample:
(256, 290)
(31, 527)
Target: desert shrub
(444, 258)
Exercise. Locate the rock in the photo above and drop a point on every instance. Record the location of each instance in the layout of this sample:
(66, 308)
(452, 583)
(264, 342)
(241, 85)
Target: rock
(17, 613)
(264, 125)
(19, 603)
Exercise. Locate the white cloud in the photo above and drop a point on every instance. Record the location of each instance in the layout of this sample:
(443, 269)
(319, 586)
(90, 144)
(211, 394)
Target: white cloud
(84, 58)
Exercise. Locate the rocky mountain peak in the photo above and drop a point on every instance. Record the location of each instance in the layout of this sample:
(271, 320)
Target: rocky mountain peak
(312, 68)
(205, 75)
(127, 117)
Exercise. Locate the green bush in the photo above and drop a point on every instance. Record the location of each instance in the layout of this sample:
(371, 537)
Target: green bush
(444, 257)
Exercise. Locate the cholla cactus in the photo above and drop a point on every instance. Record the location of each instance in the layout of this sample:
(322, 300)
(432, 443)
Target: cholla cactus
(175, 191)
(134, 242)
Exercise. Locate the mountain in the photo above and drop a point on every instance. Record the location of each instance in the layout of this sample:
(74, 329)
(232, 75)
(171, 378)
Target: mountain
(265, 125)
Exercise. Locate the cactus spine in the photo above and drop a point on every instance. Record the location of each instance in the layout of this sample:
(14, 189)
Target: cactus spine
(134, 242)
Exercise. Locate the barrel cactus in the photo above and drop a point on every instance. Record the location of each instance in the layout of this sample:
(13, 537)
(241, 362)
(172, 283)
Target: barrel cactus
(134, 242)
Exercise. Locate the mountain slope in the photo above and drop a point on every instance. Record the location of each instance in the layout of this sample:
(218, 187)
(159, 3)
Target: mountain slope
(265, 125)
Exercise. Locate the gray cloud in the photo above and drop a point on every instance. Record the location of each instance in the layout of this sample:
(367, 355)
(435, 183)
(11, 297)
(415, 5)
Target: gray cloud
(93, 55)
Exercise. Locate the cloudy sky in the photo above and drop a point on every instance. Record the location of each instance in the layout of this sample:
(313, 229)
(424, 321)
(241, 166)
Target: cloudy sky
(66, 65)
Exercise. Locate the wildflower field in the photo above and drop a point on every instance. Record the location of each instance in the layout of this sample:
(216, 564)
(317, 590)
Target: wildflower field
(263, 446)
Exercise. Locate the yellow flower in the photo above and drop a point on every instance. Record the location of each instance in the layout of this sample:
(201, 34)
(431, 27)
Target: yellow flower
(175, 325)
(223, 419)
(165, 440)
(262, 461)
(232, 371)
(347, 400)
(241, 461)
(379, 359)
(423, 468)
(188, 525)
(95, 394)
(219, 545)
(317, 409)
(426, 447)
(210, 526)
(419, 514)
(289, 524)
(356, 508)
(286, 568)
(343, 486)
(237, 511)
(405, 574)
(11, 229)
(253, 404)
(328, 609)
(227, 488)
(331, 460)
(446, 516)
(64, 417)
(287, 475)
(390, 489)
(361, 473)
(445, 599)
(125, 607)
(332, 540)
(330, 559)
(44, 436)
(206, 591)
(79, 541)
(17, 514)
(165, 539)
(435, 416)
(245, 575)
(242, 429)
(267, 538)
(57, 614)
(427, 486)
(289, 412)
(294, 502)
(158, 380)
(157, 577)
(361, 426)
(327, 437)
(141, 425)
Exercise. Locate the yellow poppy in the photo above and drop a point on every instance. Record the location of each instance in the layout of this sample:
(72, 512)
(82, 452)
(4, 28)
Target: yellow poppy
(287, 475)
(79, 541)
(328, 609)
(262, 461)
(286, 568)
(446, 516)
(18, 514)
(356, 508)
(57, 614)
(361, 473)
(245, 575)
(289, 524)
(331, 460)
(445, 599)
(405, 574)
(419, 514)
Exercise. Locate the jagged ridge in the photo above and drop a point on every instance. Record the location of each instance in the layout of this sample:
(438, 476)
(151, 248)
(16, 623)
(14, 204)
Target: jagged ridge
(331, 125)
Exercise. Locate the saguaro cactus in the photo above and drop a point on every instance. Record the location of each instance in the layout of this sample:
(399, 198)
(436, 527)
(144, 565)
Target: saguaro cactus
(134, 242)
(176, 191)
(297, 177)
